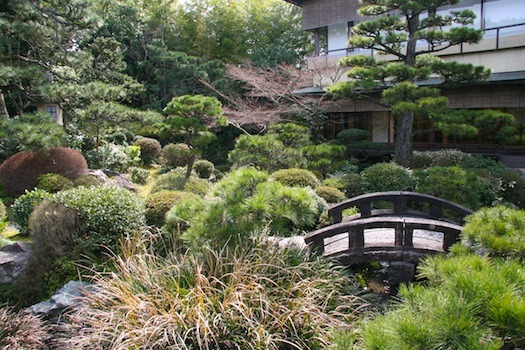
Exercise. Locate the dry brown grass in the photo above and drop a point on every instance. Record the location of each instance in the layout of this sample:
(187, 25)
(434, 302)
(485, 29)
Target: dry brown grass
(252, 298)
(22, 332)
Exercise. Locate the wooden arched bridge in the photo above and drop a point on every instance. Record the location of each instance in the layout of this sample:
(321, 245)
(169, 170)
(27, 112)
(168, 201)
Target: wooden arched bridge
(416, 225)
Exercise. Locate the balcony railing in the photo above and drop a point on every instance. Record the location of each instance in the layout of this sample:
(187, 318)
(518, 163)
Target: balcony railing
(499, 33)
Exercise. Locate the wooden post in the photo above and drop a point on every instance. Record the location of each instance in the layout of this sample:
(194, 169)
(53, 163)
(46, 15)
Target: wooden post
(356, 239)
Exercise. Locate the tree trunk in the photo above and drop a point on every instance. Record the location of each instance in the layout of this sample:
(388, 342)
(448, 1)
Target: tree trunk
(3, 108)
(403, 150)
(190, 166)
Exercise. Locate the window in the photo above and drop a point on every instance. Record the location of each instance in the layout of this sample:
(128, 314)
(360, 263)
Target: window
(52, 110)
(321, 41)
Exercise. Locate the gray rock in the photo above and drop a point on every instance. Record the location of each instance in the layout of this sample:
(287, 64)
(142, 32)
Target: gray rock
(288, 242)
(66, 298)
(13, 259)
(108, 177)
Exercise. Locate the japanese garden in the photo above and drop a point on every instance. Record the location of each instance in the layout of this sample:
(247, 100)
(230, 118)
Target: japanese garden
(262, 174)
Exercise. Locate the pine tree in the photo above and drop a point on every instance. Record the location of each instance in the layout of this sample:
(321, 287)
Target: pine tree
(409, 31)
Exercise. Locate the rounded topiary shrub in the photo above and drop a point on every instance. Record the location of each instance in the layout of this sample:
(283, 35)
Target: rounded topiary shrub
(335, 183)
(107, 212)
(55, 231)
(176, 155)
(458, 185)
(159, 203)
(149, 149)
(138, 175)
(383, 177)
(330, 194)
(87, 181)
(24, 206)
(204, 168)
(296, 177)
(421, 160)
(21, 171)
(53, 183)
(499, 231)
(175, 181)
(353, 135)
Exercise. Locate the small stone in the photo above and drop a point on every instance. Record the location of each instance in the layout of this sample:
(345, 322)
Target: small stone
(13, 259)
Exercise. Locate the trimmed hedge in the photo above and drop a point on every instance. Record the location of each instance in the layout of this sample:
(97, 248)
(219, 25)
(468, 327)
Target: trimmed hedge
(149, 149)
(24, 206)
(330, 194)
(383, 177)
(158, 204)
(204, 168)
(21, 171)
(176, 155)
(53, 183)
(296, 177)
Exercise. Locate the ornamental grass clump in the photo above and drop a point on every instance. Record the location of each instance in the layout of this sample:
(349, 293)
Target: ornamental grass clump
(19, 331)
(247, 298)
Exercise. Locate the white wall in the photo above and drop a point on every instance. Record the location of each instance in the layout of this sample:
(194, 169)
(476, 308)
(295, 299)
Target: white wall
(337, 39)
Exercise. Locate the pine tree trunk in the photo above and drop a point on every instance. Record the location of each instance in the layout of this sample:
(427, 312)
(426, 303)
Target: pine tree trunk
(403, 150)
(3, 107)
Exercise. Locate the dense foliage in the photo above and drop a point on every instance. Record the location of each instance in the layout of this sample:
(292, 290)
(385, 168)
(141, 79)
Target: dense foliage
(53, 183)
(24, 206)
(296, 177)
(384, 177)
(159, 203)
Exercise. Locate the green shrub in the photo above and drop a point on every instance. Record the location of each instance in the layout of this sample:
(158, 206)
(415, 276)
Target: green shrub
(3, 222)
(159, 203)
(469, 302)
(351, 182)
(455, 184)
(56, 234)
(330, 194)
(53, 183)
(324, 158)
(296, 177)
(258, 298)
(499, 231)
(149, 149)
(290, 134)
(108, 213)
(246, 201)
(513, 188)
(138, 175)
(178, 218)
(24, 206)
(3, 212)
(204, 168)
(335, 183)
(352, 135)
(421, 160)
(476, 162)
(114, 157)
(383, 177)
(175, 181)
(176, 155)
(448, 157)
(22, 331)
(264, 152)
(87, 181)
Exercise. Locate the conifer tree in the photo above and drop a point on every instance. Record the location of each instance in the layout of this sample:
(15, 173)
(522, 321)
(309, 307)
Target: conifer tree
(409, 32)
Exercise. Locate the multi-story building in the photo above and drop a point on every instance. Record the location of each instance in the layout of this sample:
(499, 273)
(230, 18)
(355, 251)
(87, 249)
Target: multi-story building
(502, 49)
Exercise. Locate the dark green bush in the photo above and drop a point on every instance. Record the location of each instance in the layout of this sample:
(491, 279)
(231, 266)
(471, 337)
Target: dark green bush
(469, 302)
(513, 188)
(138, 175)
(149, 149)
(204, 168)
(330, 194)
(159, 203)
(108, 213)
(455, 184)
(290, 134)
(296, 177)
(264, 152)
(498, 231)
(421, 160)
(176, 181)
(335, 183)
(176, 155)
(352, 135)
(53, 183)
(488, 165)
(24, 206)
(383, 177)
(324, 158)
(351, 183)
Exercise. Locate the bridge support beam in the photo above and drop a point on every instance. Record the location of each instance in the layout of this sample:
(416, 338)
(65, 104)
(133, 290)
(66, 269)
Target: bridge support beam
(400, 272)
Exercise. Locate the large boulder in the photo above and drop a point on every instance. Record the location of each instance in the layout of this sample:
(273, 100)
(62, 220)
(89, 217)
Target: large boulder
(21, 171)
(107, 177)
(13, 259)
(67, 297)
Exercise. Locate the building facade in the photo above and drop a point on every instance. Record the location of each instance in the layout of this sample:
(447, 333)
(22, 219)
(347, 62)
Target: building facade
(502, 50)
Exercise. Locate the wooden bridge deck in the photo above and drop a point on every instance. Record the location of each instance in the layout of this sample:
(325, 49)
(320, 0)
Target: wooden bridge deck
(400, 233)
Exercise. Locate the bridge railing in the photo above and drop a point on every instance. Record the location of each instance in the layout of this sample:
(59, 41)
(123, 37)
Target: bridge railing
(403, 231)
(401, 201)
